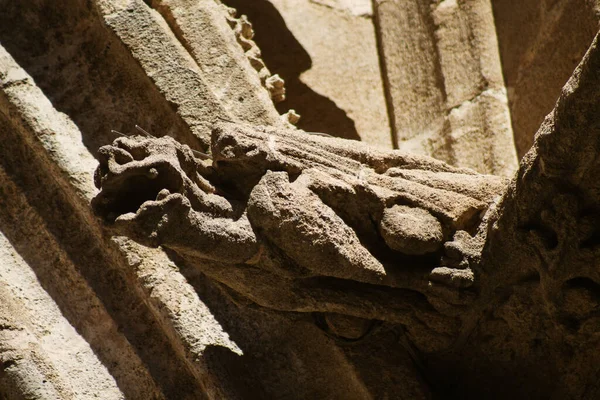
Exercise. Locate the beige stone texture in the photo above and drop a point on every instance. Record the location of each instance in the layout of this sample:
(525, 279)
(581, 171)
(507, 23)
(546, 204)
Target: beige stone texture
(228, 255)
(444, 82)
(415, 91)
(155, 329)
(540, 43)
(327, 54)
(204, 31)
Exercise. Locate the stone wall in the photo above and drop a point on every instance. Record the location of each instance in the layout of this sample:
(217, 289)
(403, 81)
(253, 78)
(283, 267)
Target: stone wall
(540, 44)
(87, 314)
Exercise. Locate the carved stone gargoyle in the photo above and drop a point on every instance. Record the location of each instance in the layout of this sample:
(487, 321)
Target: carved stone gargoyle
(301, 222)
(503, 278)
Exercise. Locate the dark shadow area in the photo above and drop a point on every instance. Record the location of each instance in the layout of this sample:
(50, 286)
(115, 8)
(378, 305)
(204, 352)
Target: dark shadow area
(284, 55)
(258, 332)
(272, 342)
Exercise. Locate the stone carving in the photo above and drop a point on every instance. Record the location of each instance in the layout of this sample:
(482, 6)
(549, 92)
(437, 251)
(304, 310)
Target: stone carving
(288, 265)
(242, 29)
(284, 217)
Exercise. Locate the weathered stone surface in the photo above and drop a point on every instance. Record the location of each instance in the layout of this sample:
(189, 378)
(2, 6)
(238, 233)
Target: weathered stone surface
(538, 57)
(49, 144)
(205, 31)
(287, 209)
(411, 72)
(326, 52)
(444, 84)
(40, 352)
(411, 230)
(289, 265)
(541, 259)
(157, 338)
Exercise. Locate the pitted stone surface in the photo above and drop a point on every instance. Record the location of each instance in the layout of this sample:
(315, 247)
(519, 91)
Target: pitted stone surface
(283, 264)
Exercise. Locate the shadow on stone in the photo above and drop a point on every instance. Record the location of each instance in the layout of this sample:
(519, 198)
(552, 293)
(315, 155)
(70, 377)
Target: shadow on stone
(284, 55)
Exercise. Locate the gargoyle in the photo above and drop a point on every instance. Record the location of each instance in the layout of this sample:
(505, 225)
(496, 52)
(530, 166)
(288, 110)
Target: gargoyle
(301, 222)
(508, 289)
